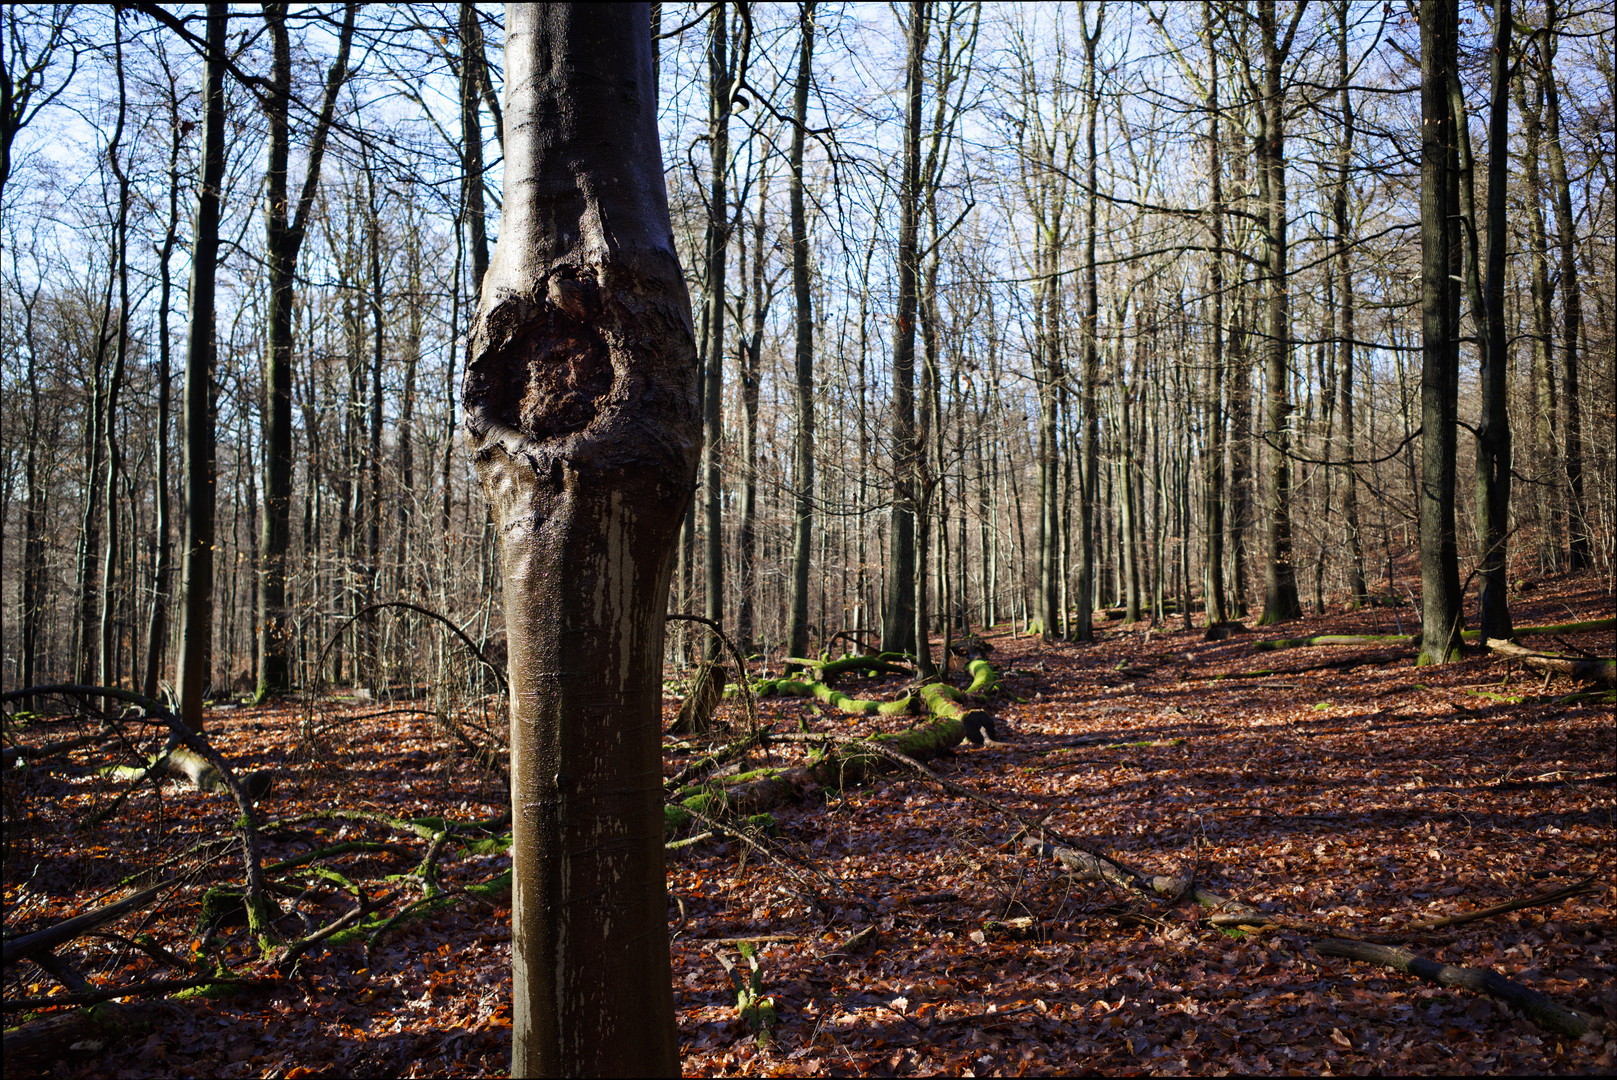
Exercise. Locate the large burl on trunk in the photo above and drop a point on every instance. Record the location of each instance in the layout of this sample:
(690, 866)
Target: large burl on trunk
(580, 397)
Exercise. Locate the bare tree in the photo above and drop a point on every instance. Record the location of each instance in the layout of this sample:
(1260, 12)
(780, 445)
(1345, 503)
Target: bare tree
(196, 573)
(284, 228)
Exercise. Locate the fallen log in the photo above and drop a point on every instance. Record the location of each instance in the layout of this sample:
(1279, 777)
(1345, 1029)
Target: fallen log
(1585, 626)
(178, 760)
(951, 720)
(943, 700)
(836, 699)
(984, 678)
(52, 937)
(1276, 644)
(827, 671)
(1543, 1010)
(852, 761)
(81, 1033)
(1090, 865)
(33, 755)
(1601, 669)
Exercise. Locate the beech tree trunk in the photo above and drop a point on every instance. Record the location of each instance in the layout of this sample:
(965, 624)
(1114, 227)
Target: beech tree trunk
(1579, 550)
(803, 352)
(1493, 428)
(583, 422)
(283, 238)
(898, 624)
(1441, 615)
(1280, 602)
(196, 574)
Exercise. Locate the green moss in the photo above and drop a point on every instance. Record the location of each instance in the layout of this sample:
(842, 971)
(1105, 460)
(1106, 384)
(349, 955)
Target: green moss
(983, 677)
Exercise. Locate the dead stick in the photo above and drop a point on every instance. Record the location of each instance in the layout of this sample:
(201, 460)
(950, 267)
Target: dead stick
(1554, 896)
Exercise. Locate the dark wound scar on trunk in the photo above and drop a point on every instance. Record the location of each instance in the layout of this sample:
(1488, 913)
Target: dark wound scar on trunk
(556, 373)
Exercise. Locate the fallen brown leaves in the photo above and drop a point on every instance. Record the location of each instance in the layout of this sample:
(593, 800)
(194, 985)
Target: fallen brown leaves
(1332, 787)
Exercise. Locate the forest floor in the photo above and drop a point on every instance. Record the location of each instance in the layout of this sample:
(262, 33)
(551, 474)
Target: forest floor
(1360, 796)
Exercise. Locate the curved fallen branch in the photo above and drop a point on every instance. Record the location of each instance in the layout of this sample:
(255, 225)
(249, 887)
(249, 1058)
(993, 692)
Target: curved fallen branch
(1543, 1010)
(258, 911)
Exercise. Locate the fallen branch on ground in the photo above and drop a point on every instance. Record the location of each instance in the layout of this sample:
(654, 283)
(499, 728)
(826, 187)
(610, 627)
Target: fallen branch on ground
(1544, 1011)
(1585, 669)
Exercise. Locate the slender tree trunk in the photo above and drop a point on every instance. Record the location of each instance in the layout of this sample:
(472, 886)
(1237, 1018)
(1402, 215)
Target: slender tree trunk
(33, 546)
(1541, 293)
(106, 664)
(1357, 589)
(898, 625)
(1441, 616)
(1240, 488)
(1213, 494)
(373, 455)
(582, 417)
(1280, 601)
(721, 90)
(196, 575)
(1579, 551)
(751, 364)
(283, 239)
(803, 350)
(1089, 324)
(163, 553)
(1493, 429)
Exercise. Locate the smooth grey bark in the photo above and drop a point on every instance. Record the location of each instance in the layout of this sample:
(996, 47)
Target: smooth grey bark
(803, 351)
(196, 574)
(1346, 300)
(1488, 311)
(284, 230)
(1213, 419)
(106, 663)
(751, 375)
(583, 424)
(1541, 293)
(721, 89)
(898, 622)
(163, 549)
(1082, 628)
(1442, 618)
(1280, 600)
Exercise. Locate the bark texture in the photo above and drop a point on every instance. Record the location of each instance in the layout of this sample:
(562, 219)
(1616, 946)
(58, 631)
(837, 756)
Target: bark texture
(582, 418)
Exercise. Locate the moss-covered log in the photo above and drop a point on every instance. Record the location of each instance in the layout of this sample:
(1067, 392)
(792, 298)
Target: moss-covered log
(182, 762)
(1583, 627)
(945, 702)
(874, 664)
(841, 765)
(983, 677)
(1276, 644)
